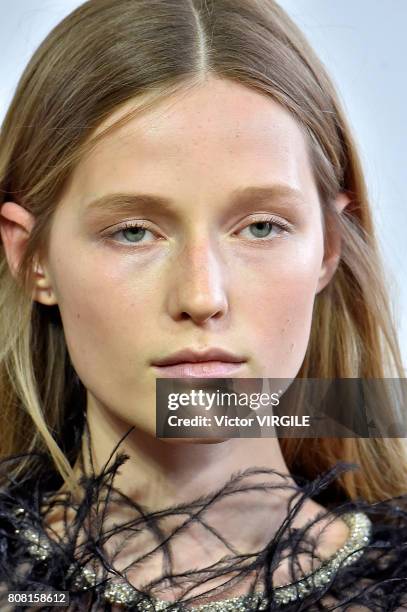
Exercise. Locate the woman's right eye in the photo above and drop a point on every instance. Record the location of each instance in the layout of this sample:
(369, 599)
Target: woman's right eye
(133, 233)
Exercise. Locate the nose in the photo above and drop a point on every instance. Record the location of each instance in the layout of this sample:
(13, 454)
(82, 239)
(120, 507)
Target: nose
(198, 285)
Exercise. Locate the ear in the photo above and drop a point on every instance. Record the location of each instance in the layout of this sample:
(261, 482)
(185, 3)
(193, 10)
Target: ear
(332, 253)
(16, 224)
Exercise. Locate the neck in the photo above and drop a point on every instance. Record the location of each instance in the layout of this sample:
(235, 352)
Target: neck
(161, 473)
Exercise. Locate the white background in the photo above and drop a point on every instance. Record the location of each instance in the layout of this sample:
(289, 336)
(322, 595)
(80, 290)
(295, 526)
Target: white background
(364, 45)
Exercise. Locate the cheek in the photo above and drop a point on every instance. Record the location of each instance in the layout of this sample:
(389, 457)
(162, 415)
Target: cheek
(101, 312)
(278, 302)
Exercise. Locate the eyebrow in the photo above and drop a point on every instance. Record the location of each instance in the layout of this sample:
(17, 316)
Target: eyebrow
(241, 197)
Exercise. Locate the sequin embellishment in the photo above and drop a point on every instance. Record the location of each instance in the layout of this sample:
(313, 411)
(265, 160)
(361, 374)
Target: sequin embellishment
(122, 593)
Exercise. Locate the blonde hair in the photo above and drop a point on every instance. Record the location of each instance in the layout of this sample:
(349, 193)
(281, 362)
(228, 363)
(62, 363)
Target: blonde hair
(108, 52)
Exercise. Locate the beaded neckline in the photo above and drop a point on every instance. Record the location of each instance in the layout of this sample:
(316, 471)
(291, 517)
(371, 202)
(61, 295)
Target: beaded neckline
(122, 593)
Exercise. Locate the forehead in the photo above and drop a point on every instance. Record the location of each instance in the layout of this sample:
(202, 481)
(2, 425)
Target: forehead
(217, 109)
(216, 132)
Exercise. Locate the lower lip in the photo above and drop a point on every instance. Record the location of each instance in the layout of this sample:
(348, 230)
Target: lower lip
(206, 369)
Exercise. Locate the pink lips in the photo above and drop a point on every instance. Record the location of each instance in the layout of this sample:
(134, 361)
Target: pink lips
(204, 369)
(210, 363)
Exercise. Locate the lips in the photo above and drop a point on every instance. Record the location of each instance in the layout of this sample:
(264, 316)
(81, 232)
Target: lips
(205, 369)
(211, 363)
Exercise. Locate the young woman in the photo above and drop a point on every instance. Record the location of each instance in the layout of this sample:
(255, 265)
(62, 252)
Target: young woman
(181, 196)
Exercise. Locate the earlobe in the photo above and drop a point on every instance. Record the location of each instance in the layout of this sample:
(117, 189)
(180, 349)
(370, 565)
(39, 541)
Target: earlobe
(43, 291)
(341, 202)
(16, 224)
(333, 248)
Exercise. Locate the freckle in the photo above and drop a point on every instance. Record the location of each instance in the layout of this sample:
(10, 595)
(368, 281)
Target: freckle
(78, 316)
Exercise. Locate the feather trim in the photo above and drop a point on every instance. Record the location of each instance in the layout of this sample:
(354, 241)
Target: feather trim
(377, 580)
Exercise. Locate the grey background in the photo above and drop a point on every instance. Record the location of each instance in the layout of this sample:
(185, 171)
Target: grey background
(363, 44)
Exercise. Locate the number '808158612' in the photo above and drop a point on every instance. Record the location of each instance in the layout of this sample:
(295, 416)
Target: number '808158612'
(51, 598)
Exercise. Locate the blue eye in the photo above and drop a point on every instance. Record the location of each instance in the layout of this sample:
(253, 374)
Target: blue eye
(132, 232)
(264, 228)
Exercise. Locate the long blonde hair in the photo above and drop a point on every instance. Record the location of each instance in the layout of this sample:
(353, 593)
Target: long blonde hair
(108, 52)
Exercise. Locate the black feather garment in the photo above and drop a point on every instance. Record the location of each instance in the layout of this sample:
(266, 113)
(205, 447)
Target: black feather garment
(377, 580)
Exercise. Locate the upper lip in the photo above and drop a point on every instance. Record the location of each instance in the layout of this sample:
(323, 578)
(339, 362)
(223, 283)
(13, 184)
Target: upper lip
(193, 356)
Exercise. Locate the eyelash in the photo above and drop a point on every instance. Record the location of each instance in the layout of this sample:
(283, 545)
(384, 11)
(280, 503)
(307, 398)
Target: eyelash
(282, 225)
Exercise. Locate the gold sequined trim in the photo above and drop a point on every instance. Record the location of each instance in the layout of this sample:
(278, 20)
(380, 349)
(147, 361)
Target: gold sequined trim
(122, 593)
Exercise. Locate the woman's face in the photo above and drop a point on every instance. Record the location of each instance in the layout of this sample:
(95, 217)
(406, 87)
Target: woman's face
(230, 254)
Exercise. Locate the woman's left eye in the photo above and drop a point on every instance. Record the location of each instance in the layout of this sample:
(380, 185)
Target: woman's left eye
(265, 228)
